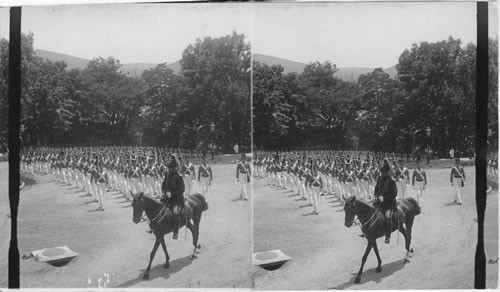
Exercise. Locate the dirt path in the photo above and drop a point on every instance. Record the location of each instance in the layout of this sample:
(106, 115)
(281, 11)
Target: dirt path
(327, 255)
(4, 223)
(109, 242)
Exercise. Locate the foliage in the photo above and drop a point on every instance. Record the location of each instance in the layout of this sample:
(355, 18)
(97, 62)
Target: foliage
(100, 105)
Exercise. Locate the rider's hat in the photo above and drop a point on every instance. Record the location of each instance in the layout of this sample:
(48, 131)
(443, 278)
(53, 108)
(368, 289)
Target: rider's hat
(386, 166)
(175, 162)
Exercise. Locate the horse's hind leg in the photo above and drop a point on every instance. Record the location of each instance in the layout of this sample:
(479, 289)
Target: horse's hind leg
(409, 227)
(367, 251)
(375, 248)
(164, 247)
(194, 232)
(407, 242)
(151, 257)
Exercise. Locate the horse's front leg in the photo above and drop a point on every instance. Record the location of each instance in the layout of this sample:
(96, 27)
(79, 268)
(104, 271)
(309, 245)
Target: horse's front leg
(367, 251)
(151, 257)
(164, 246)
(375, 248)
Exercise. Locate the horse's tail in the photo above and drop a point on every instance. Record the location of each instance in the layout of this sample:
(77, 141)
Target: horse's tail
(204, 205)
(415, 208)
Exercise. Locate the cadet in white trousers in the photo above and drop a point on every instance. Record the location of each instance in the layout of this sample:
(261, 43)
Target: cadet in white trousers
(102, 182)
(243, 176)
(204, 177)
(457, 179)
(316, 186)
(419, 182)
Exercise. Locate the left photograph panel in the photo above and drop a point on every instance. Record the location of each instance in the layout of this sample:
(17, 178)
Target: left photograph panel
(4, 151)
(135, 154)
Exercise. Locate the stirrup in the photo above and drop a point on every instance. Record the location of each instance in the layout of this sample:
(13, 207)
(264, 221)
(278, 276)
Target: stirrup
(174, 236)
(387, 240)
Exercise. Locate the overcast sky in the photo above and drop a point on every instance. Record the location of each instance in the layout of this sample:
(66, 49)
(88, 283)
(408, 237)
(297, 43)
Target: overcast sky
(131, 33)
(347, 34)
(358, 35)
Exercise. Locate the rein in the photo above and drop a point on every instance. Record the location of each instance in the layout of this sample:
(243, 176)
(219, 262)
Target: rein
(374, 212)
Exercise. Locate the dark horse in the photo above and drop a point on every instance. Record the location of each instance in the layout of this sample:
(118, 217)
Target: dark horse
(372, 225)
(161, 221)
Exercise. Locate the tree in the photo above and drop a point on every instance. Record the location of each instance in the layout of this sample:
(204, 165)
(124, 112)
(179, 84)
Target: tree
(217, 72)
(432, 76)
(272, 111)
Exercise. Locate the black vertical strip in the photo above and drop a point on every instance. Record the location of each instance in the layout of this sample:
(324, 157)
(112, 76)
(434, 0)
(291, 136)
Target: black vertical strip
(14, 141)
(481, 131)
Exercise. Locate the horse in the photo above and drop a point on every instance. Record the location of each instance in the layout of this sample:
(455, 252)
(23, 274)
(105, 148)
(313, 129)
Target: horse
(161, 221)
(372, 225)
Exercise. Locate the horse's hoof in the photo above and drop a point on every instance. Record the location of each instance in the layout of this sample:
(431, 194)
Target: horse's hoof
(199, 245)
(406, 261)
(194, 257)
(378, 269)
(145, 277)
(166, 265)
(411, 250)
(357, 280)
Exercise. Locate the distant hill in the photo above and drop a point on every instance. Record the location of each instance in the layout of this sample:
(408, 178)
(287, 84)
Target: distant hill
(72, 61)
(345, 73)
(289, 66)
(131, 69)
(136, 69)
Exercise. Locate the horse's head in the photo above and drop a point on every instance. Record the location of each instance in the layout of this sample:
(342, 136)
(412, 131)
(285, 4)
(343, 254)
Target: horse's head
(350, 211)
(137, 208)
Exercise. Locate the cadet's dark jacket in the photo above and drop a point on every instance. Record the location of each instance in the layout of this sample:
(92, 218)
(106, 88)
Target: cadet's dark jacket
(386, 187)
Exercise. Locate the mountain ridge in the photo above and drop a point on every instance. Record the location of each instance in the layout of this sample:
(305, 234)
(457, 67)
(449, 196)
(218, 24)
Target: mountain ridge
(136, 69)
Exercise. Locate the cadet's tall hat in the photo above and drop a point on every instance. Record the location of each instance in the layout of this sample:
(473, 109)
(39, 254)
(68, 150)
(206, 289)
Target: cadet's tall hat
(386, 166)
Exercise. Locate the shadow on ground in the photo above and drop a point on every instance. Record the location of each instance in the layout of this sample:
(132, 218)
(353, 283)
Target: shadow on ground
(372, 275)
(159, 272)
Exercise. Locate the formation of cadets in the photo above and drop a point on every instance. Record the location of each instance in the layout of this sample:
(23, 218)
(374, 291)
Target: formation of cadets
(313, 174)
(129, 170)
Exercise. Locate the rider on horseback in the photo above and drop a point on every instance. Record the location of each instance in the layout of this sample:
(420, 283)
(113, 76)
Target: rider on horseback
(385, 193)
(173, 189)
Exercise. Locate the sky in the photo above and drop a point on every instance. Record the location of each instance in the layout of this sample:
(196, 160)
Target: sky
(347, 34)
(131, 33)
(358, 34)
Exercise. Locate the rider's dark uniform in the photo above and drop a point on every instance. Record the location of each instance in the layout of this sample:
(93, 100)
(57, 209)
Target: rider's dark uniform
(386, 187)
(174, 184)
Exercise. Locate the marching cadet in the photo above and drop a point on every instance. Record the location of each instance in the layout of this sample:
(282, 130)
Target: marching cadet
(135, 178)
(316, 183)
(308, 179)
(375, 173)
(102, 182)
(302, 180)
(148, 175)
(419, 182)
(243, 176)
(402, 176)
(188, 172)
(94, 175)
(457, 179)
(364, 182)
(205, 177)
(350, 181)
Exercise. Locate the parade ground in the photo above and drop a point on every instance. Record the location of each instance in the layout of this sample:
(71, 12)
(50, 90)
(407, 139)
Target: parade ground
(52, 214)
(4, 223)
(327, 255)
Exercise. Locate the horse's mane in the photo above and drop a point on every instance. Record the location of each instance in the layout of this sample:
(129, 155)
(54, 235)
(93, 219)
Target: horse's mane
(365, 204)
(149, 198)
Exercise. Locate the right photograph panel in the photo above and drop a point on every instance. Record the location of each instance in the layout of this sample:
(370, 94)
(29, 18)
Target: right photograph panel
(364, 136)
